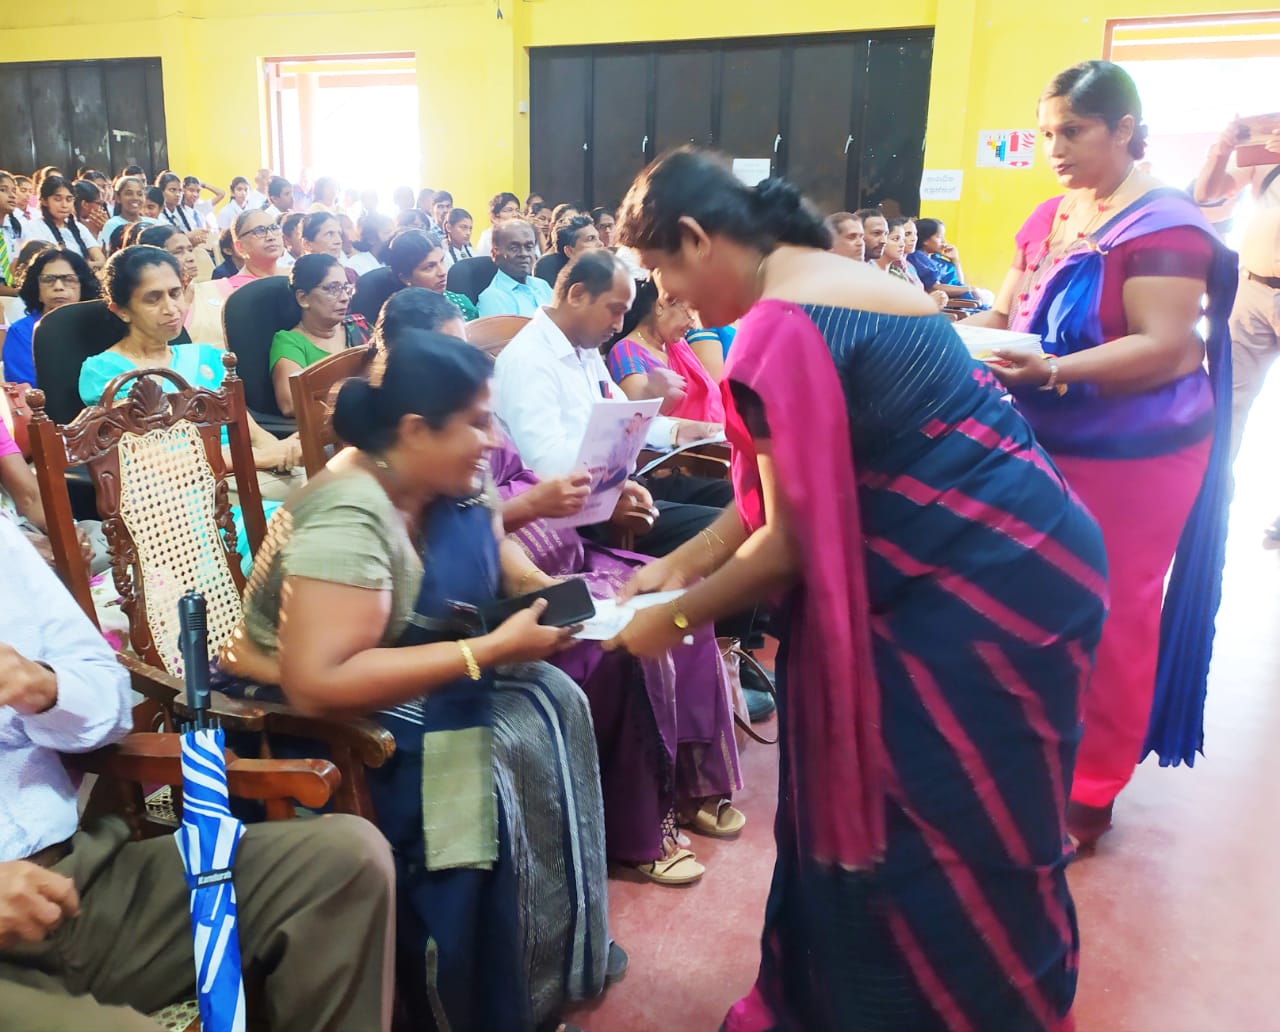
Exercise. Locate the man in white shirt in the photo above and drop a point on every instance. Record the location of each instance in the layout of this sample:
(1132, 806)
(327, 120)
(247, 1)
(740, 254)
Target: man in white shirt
(1255, 317)
(95, 930)
(1255, 320)
(548, 379)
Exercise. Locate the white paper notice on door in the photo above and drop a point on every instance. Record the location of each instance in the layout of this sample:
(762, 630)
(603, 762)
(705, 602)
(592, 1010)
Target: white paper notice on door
(752, 171)
(941, 184)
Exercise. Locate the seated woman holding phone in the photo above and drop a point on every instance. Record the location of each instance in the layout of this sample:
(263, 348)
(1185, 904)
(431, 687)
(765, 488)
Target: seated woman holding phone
(491, 802)
(664, 727)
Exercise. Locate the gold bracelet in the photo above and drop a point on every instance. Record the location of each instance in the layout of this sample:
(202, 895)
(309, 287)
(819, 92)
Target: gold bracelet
(469, 658)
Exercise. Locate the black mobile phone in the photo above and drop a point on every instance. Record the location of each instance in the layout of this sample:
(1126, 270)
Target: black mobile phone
(568, 603)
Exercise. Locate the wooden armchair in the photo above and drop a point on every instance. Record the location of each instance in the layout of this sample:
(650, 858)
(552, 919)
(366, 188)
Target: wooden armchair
(161, 488)
(494, 332)
(312, 390)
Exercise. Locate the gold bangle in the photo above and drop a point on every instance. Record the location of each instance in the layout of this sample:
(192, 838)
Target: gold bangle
(709, 534)
(469, 658)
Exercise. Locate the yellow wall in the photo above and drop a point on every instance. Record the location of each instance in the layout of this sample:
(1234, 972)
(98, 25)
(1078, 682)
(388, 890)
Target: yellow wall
(991, 59)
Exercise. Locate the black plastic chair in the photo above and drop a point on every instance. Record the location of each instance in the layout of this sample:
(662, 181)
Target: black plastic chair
(372, 291)
(472, 276)
(64, 339)
(250, 319)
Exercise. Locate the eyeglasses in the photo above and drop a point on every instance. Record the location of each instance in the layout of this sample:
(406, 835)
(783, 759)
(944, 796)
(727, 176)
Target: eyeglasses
(518, 249)
(262, 232)
(49, 279)
(336, 290)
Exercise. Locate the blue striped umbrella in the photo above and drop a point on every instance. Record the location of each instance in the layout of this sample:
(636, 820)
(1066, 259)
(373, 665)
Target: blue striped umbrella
(207, 842)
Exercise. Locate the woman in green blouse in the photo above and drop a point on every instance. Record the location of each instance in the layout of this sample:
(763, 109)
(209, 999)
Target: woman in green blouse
(325, 327)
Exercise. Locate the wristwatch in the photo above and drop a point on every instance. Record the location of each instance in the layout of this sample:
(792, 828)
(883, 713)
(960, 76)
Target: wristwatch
(677, 617)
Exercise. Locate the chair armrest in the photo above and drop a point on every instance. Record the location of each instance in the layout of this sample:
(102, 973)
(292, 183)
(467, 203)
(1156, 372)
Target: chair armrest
(171, 692)
(367, 740)
(372, 743)
(147, 758)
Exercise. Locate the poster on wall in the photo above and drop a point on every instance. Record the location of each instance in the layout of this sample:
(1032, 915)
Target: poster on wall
(941, 184)
(1006, 148)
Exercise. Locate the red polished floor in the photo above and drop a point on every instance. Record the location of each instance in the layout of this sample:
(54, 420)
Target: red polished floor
(1179, 910)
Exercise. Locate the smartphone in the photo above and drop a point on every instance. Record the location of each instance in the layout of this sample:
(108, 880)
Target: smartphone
(568, 603)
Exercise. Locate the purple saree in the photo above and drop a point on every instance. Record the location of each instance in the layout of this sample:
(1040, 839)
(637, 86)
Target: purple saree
(664, 727)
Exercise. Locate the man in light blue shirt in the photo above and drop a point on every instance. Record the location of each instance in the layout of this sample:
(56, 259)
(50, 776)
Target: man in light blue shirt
(515, 290)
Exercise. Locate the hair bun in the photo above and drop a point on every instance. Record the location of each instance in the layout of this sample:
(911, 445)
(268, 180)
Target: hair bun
(776, 196)
(353, 412)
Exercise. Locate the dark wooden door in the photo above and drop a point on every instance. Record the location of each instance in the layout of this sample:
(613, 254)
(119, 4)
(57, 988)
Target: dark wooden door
(685, 87)
(891, 158)
(752, 99)
(843, 116)
(620, 139)
(559, 136)
(101, 114)
(820, 148)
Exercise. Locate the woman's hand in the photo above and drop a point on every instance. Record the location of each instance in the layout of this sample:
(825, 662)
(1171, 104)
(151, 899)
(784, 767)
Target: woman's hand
(650, 633)
(1019, 368)
(668, 385)
(280, 456)
(950, 253)
(86, 546)
(690, 432)
(1232, 136)
(521, 639)
(660, 575)
(939, 298)
(559, 497)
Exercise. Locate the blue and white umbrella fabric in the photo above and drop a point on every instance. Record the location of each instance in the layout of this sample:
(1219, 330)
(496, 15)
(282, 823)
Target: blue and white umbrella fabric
(207, 842)
(209, 836)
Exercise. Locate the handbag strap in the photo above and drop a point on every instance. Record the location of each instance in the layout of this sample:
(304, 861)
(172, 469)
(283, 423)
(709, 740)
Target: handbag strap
(734, 648)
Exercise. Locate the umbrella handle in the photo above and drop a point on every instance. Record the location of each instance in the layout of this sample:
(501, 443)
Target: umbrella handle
(193, 638)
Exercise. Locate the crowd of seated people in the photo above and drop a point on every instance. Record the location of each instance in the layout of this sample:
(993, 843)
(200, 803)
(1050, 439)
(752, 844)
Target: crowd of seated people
(913, 250)
(447, 494)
